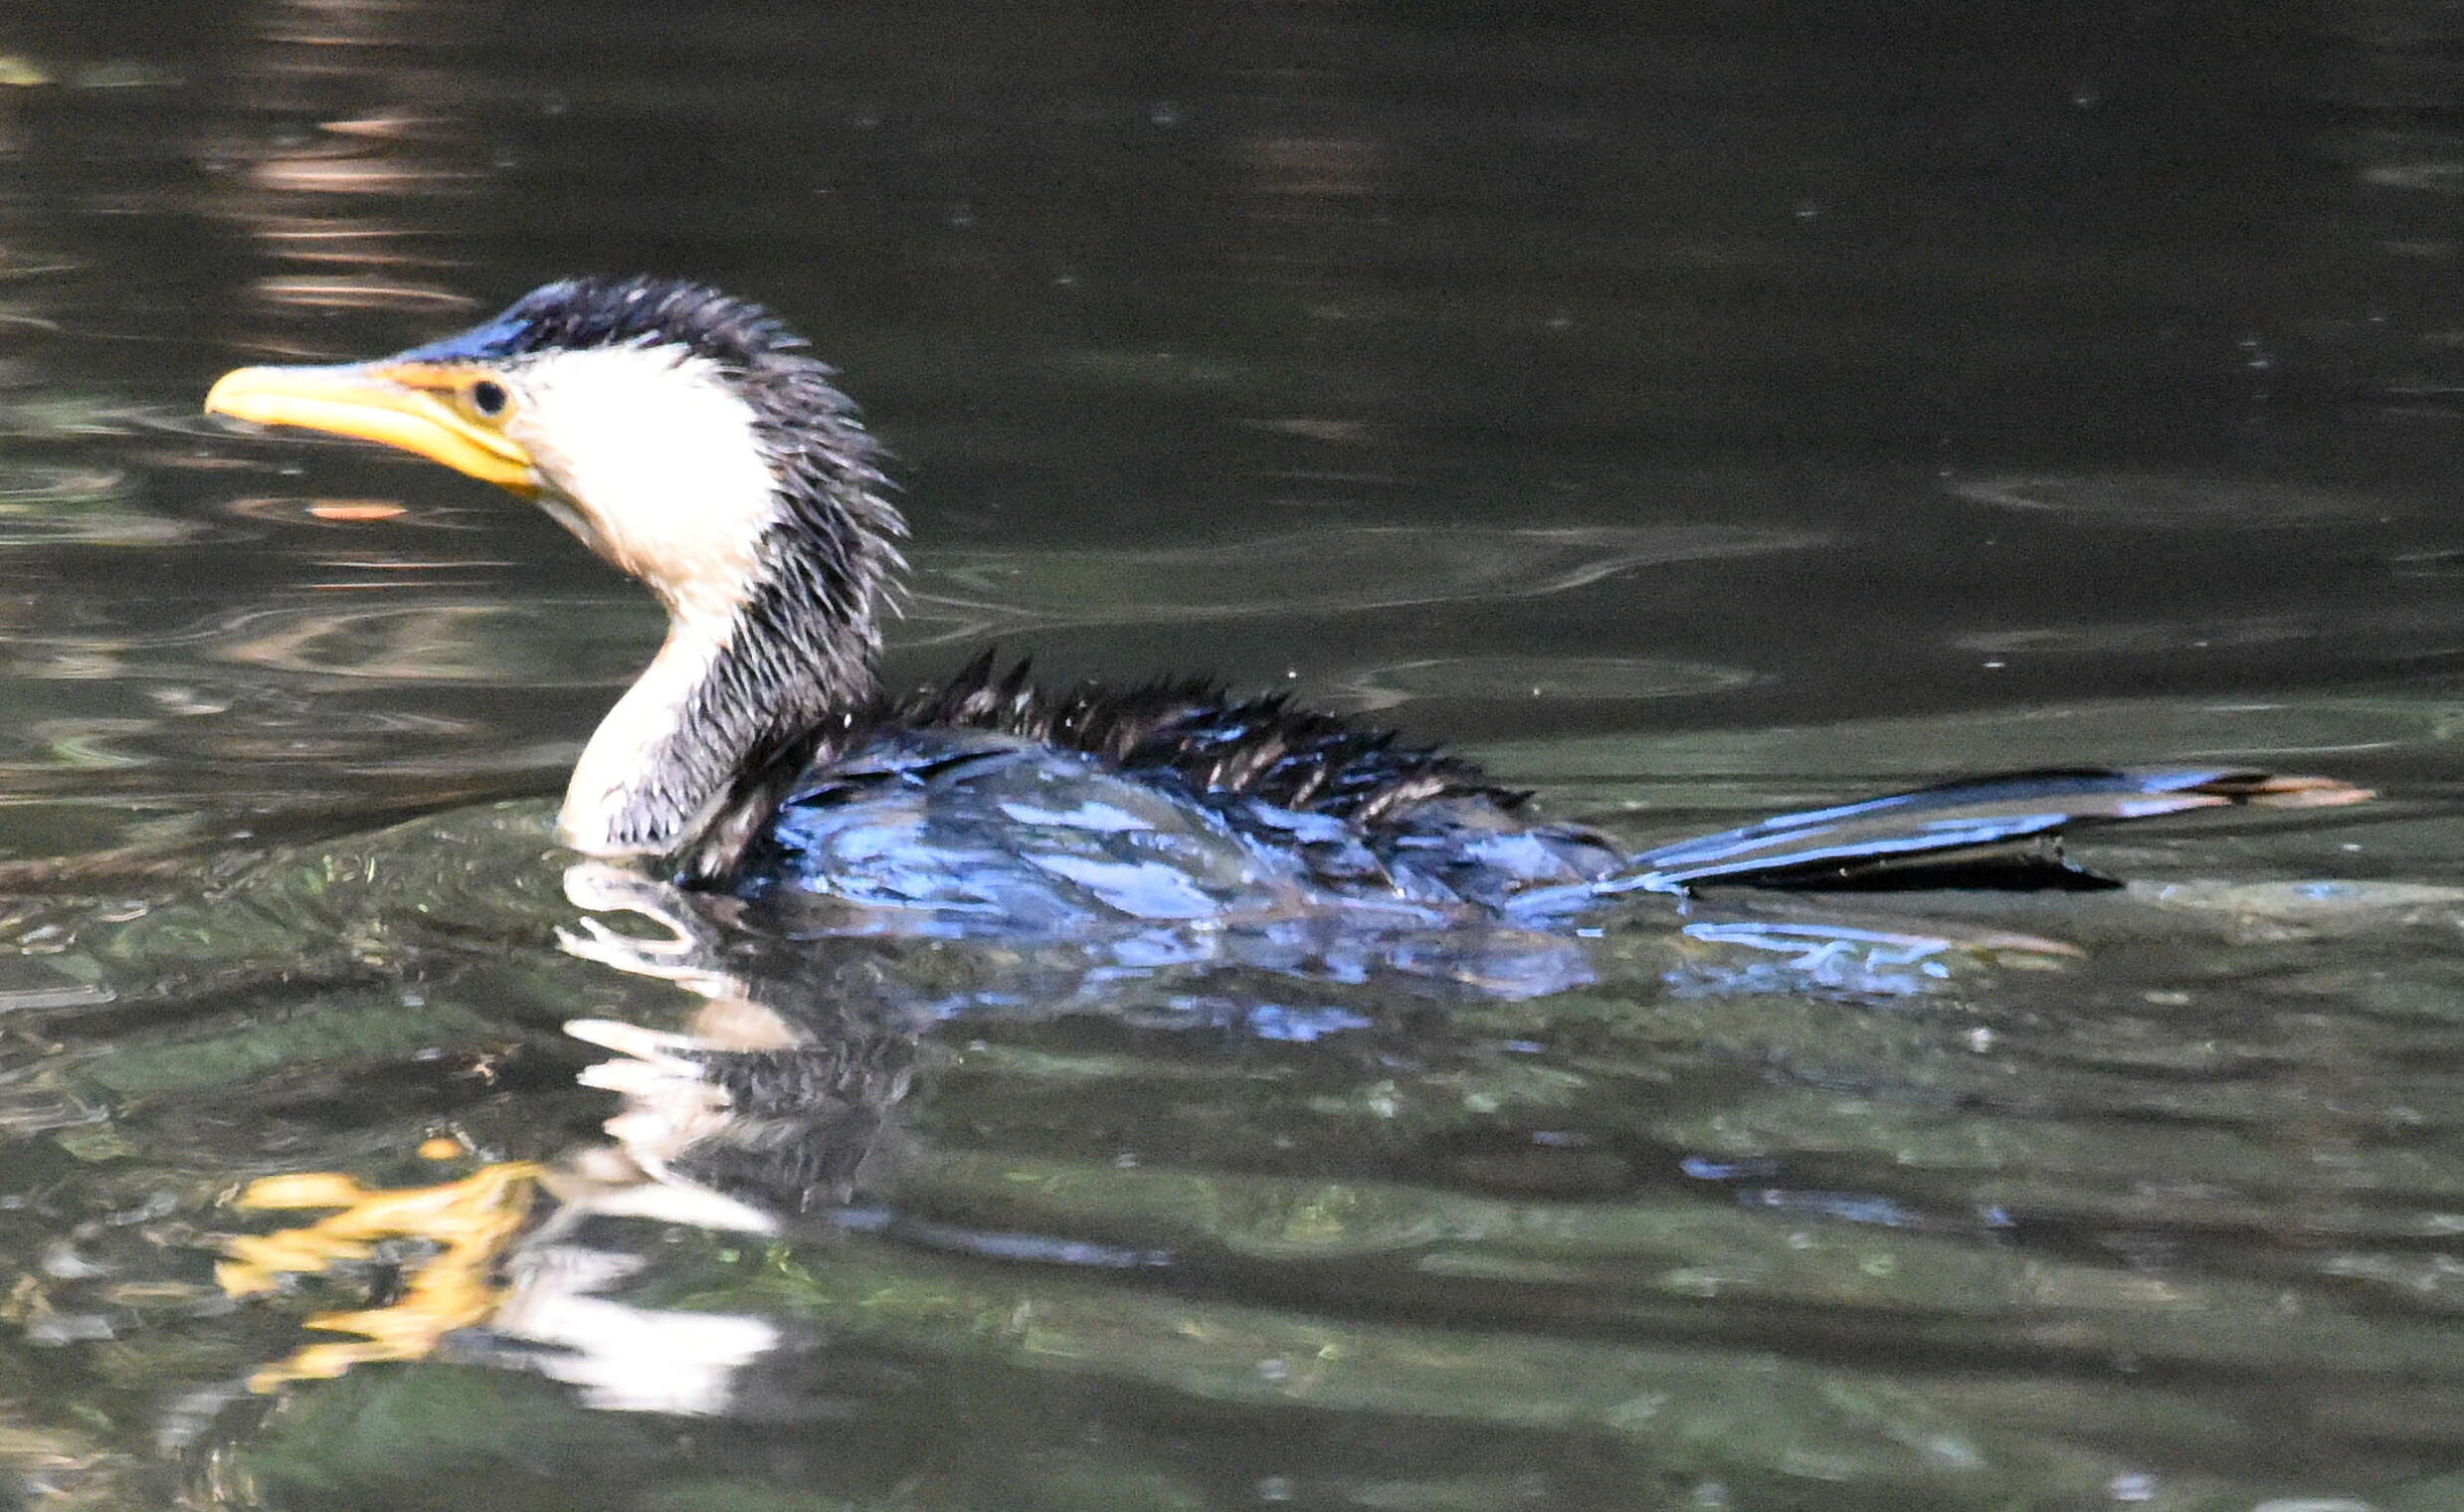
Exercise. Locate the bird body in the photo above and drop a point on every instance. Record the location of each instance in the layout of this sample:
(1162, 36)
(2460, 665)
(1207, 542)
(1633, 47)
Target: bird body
(691, 441)
(1015, 809)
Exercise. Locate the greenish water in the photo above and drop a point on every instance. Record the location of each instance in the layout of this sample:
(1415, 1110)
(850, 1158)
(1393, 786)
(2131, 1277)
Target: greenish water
(1693, 413)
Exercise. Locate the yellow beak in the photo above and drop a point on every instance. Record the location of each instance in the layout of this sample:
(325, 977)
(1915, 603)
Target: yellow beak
(406, 406)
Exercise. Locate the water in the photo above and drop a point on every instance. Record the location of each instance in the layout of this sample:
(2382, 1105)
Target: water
(1691, 413)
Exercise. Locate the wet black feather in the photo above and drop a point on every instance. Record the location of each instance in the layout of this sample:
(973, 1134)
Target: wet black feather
(579, 314)
(1203, 737)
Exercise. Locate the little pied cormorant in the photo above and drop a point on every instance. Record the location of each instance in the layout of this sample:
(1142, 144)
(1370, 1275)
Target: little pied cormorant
(690, 439)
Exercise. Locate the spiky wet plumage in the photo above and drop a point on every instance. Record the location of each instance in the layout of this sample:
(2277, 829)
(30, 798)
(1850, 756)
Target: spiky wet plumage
(1264, 748)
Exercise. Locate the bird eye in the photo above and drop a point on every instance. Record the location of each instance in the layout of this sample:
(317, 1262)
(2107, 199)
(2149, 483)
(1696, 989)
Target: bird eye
(488, 397)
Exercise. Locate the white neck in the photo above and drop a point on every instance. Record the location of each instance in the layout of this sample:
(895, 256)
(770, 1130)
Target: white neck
(637, 791)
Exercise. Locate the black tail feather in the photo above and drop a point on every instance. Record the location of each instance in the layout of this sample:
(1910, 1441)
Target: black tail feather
(1989, 832)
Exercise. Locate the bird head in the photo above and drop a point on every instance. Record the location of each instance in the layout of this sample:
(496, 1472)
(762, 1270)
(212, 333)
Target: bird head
(689, 439)
(683, 434)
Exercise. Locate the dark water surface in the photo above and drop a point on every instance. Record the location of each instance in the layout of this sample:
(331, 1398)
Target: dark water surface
(1692, 411)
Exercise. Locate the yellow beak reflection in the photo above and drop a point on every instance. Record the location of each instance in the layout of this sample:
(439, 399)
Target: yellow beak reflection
(409, 407)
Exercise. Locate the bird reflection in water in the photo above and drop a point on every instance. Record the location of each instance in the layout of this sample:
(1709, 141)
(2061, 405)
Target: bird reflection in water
(770, 1113)
(766, 1107)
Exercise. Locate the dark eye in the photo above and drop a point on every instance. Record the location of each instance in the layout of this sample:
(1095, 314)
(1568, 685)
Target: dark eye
(488, 397)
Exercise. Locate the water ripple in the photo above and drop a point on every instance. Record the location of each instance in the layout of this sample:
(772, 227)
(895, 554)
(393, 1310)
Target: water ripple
(2171, 501)
(1323, 571)
(1557, 679)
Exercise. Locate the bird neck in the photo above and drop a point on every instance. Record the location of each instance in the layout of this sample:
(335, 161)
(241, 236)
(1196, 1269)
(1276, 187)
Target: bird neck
(695, 754)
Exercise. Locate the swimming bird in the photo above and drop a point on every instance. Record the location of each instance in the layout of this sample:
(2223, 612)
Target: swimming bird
(692, 441)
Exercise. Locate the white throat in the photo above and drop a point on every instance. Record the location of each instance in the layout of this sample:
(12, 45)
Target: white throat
(656, 464)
